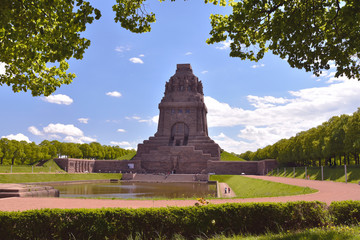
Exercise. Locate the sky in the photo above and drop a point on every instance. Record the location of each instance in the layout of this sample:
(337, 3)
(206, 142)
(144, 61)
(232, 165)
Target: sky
(121, 80)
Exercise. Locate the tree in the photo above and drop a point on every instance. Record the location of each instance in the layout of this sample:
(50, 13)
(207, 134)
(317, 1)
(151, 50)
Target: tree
(36, 33)
(4, 143)
(309, 34)
(352, 136)
(38, 37)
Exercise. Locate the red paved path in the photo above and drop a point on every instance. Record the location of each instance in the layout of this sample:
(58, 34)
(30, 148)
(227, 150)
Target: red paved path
(328, 192)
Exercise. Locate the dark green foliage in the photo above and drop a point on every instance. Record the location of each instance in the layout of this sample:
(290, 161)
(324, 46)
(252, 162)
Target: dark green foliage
(334, 142)
(120, 223)
(13, 152)
(37, 38)
(345, 212)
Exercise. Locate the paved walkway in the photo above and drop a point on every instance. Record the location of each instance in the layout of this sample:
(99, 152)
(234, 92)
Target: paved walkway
(228, 193)
(328, 192)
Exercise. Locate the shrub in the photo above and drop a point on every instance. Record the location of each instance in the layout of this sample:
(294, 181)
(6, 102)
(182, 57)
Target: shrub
(345, 212)
(120, 223)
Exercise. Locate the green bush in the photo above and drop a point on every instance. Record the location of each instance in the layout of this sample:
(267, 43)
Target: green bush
(120, 223)
(345, 212)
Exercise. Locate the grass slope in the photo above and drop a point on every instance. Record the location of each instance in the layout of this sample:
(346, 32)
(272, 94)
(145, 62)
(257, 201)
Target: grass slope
(26, 178)
(336, 174)
(226, 156)
(49, 166)
(254, 188)
(128, 156)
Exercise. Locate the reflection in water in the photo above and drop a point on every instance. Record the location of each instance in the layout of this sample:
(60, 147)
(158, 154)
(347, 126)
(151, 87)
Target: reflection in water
(137, 190)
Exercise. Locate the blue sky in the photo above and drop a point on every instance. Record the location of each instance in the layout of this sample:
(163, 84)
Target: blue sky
(120, 82)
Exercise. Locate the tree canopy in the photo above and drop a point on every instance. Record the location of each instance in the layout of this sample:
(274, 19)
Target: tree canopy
(336, 141)
(310, 34)
(21, 152)
(38, 37)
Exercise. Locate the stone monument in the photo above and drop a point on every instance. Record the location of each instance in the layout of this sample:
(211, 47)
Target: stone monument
(181, 143)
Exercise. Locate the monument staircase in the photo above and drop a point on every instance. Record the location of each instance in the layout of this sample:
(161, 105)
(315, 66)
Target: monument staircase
(163, 178)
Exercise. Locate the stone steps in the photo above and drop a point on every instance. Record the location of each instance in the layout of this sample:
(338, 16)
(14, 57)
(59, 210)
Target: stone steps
(22, 190)
(164, 178)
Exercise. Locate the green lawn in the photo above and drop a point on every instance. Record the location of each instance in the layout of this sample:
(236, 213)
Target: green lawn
(26, 178)
(253, 188)
(329, 233)
(49, 166)
(225, 156)
(336, 174)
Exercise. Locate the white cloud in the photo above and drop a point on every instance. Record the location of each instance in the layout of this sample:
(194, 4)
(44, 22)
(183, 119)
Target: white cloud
(87, 139)
(2, 68)
(155, 119)
(141, 55)
(258, 65)
(230, 144)
(72, 139)
(204, 72)
(188, 53)
(35, 131)
(17, 137)
(267, 101)
(66, 132)
(275, 118)
(122, 48)
(150, 120)
(123, 143)
(59, 128)
(121, 130)
(54, 136)
(58, 99)
(114, 94)
(136, 60)
(225, 45)
(83, 120)
(133, 118)
(79, 140)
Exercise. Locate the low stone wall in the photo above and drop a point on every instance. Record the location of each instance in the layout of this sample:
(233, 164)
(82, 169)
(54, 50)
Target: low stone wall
(232, 168)
(240, 167)
(72, 165)
(116, 166)
(265, 166)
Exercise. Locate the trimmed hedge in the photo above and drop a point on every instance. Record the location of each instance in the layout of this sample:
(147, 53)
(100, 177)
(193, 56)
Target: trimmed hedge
(345, 212)
(150, 223)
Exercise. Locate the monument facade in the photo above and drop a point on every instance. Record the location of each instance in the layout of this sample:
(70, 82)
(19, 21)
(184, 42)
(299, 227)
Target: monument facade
(181, 143)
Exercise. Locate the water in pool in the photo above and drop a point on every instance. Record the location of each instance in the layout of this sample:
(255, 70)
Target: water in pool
(137, 190)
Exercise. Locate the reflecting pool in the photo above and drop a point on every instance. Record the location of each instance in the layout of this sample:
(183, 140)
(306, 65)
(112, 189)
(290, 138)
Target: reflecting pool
(137, 190)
